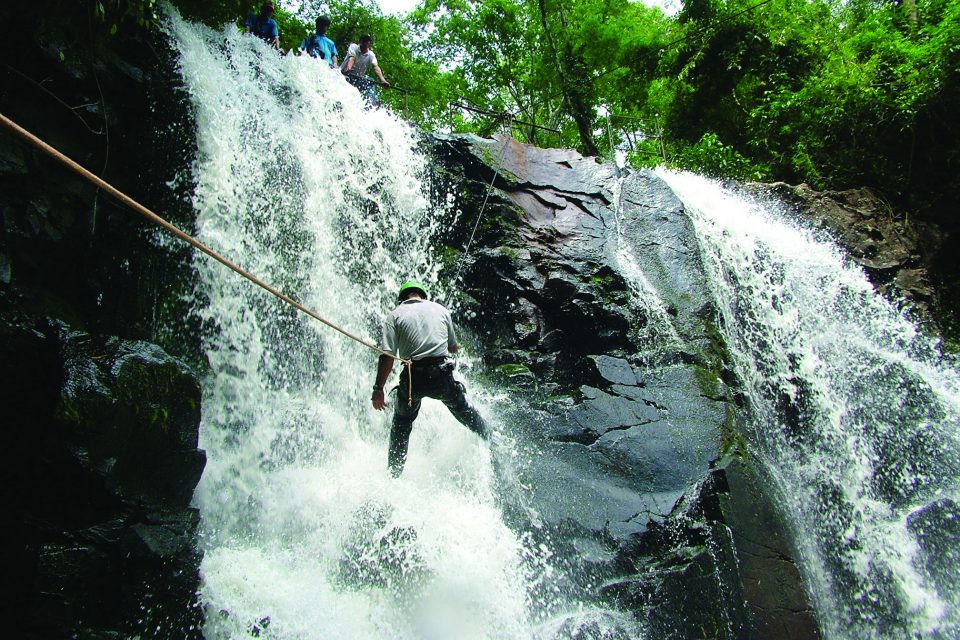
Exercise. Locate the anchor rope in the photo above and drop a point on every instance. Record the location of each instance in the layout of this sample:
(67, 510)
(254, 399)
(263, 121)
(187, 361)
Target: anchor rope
(156, 219)
(503, 152)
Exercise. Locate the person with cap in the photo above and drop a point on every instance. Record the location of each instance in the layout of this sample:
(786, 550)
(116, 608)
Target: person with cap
(422, 331)
(319, 45)
(263, 25)
(360, 57)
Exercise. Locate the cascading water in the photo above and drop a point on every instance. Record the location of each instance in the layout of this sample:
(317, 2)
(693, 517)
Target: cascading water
(304, 533)
(854, 414)
(659, 331)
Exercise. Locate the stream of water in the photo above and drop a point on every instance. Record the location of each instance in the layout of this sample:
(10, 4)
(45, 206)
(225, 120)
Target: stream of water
(854, 413)
(304, 533)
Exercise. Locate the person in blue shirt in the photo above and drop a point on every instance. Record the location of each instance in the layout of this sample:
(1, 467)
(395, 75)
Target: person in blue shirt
(263, 25)
(319, 45)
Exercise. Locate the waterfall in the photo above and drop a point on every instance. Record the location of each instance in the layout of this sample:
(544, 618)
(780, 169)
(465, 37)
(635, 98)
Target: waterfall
(659, 332)
(853, 413)
(304, 533)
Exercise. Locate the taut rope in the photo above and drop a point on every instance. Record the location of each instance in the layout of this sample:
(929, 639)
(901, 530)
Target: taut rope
(150, 215)
(496, 173)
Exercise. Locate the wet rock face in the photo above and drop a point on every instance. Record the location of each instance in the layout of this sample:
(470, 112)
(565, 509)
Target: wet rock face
(894, 251)
(102, 464)
(107, 102)
(102, 431)
(722, 543)
(585, 294)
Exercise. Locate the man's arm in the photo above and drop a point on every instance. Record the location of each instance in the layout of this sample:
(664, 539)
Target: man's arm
(276, 35)
(335, 63)
(384, 367)
(349, 66)
(379, 73)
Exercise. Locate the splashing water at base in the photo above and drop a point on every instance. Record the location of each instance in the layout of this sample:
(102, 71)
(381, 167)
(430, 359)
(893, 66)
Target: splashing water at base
(854, 413)
(305, 535)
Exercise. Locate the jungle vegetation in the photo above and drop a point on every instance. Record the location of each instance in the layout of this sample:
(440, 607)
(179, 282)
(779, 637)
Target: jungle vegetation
(833, 93)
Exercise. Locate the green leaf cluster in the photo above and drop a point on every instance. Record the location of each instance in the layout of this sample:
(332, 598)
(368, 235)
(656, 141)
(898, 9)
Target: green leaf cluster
(112, 13)
(833, 94)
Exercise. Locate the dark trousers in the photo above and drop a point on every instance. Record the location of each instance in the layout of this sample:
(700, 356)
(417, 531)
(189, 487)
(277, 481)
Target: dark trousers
(366, 86)
(429, 381)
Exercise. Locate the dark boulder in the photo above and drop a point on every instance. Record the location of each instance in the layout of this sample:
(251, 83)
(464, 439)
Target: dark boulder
(102, 469)
(585, 291)
(897, 253)
(719, 565)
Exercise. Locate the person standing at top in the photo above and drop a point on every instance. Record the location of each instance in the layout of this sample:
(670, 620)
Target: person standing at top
(263, 25)
(422, 331)
(319, 45)
(361, 57)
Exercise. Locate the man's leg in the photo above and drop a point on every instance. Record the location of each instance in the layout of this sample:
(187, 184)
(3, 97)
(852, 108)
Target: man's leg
(403, 417)
(454, 397)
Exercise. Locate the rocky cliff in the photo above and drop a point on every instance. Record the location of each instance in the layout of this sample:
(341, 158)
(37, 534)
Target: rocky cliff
(626, 410)
(629, 418)
(101, 422)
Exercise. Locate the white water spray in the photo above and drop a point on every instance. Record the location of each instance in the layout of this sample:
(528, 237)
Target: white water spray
(304, 533)
(855, 416)
(658, 331)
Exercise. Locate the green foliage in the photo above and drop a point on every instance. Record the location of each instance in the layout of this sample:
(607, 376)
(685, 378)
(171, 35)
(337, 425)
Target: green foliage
(711, 157)
(292, 30)
(112, 13)
(858, 93)
(214, 14)
(835, 96)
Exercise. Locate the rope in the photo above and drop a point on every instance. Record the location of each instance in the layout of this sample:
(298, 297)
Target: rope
(501, 114)
(150, 215)
(466, 250)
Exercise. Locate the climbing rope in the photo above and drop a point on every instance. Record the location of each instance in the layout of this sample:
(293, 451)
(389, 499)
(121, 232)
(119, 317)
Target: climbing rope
(503, 152)
(150, 215)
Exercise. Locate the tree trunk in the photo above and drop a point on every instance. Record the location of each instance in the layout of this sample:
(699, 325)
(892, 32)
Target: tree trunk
(571, 97)
(912, 14)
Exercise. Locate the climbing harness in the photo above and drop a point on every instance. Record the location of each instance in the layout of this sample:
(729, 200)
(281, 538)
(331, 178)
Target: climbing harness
(503, 152)
(150, 215)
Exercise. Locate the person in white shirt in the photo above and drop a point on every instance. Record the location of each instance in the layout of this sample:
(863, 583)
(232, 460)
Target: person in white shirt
(422, 331)
(360, 57)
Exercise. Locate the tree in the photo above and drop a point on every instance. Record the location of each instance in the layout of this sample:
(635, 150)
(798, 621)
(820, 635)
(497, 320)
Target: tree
(573, 77)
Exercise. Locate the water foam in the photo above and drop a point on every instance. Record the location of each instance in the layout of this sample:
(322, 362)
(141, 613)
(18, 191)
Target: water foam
(304, 533)
(854, 414)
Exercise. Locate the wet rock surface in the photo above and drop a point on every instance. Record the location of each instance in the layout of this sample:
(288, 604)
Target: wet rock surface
(102, 468)
(897, 253)
(102, 431)
(586, 296)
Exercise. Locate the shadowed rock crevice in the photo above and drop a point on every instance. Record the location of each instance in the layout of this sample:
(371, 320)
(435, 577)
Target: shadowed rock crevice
(105, 457)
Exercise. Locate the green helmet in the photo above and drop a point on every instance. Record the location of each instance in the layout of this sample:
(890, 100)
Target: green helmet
(409, 286)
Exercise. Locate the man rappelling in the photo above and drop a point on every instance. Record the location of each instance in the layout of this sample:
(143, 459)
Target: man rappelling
(422, 331)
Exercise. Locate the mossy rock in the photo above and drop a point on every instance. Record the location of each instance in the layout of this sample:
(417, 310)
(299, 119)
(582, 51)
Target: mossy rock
(516, 375)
